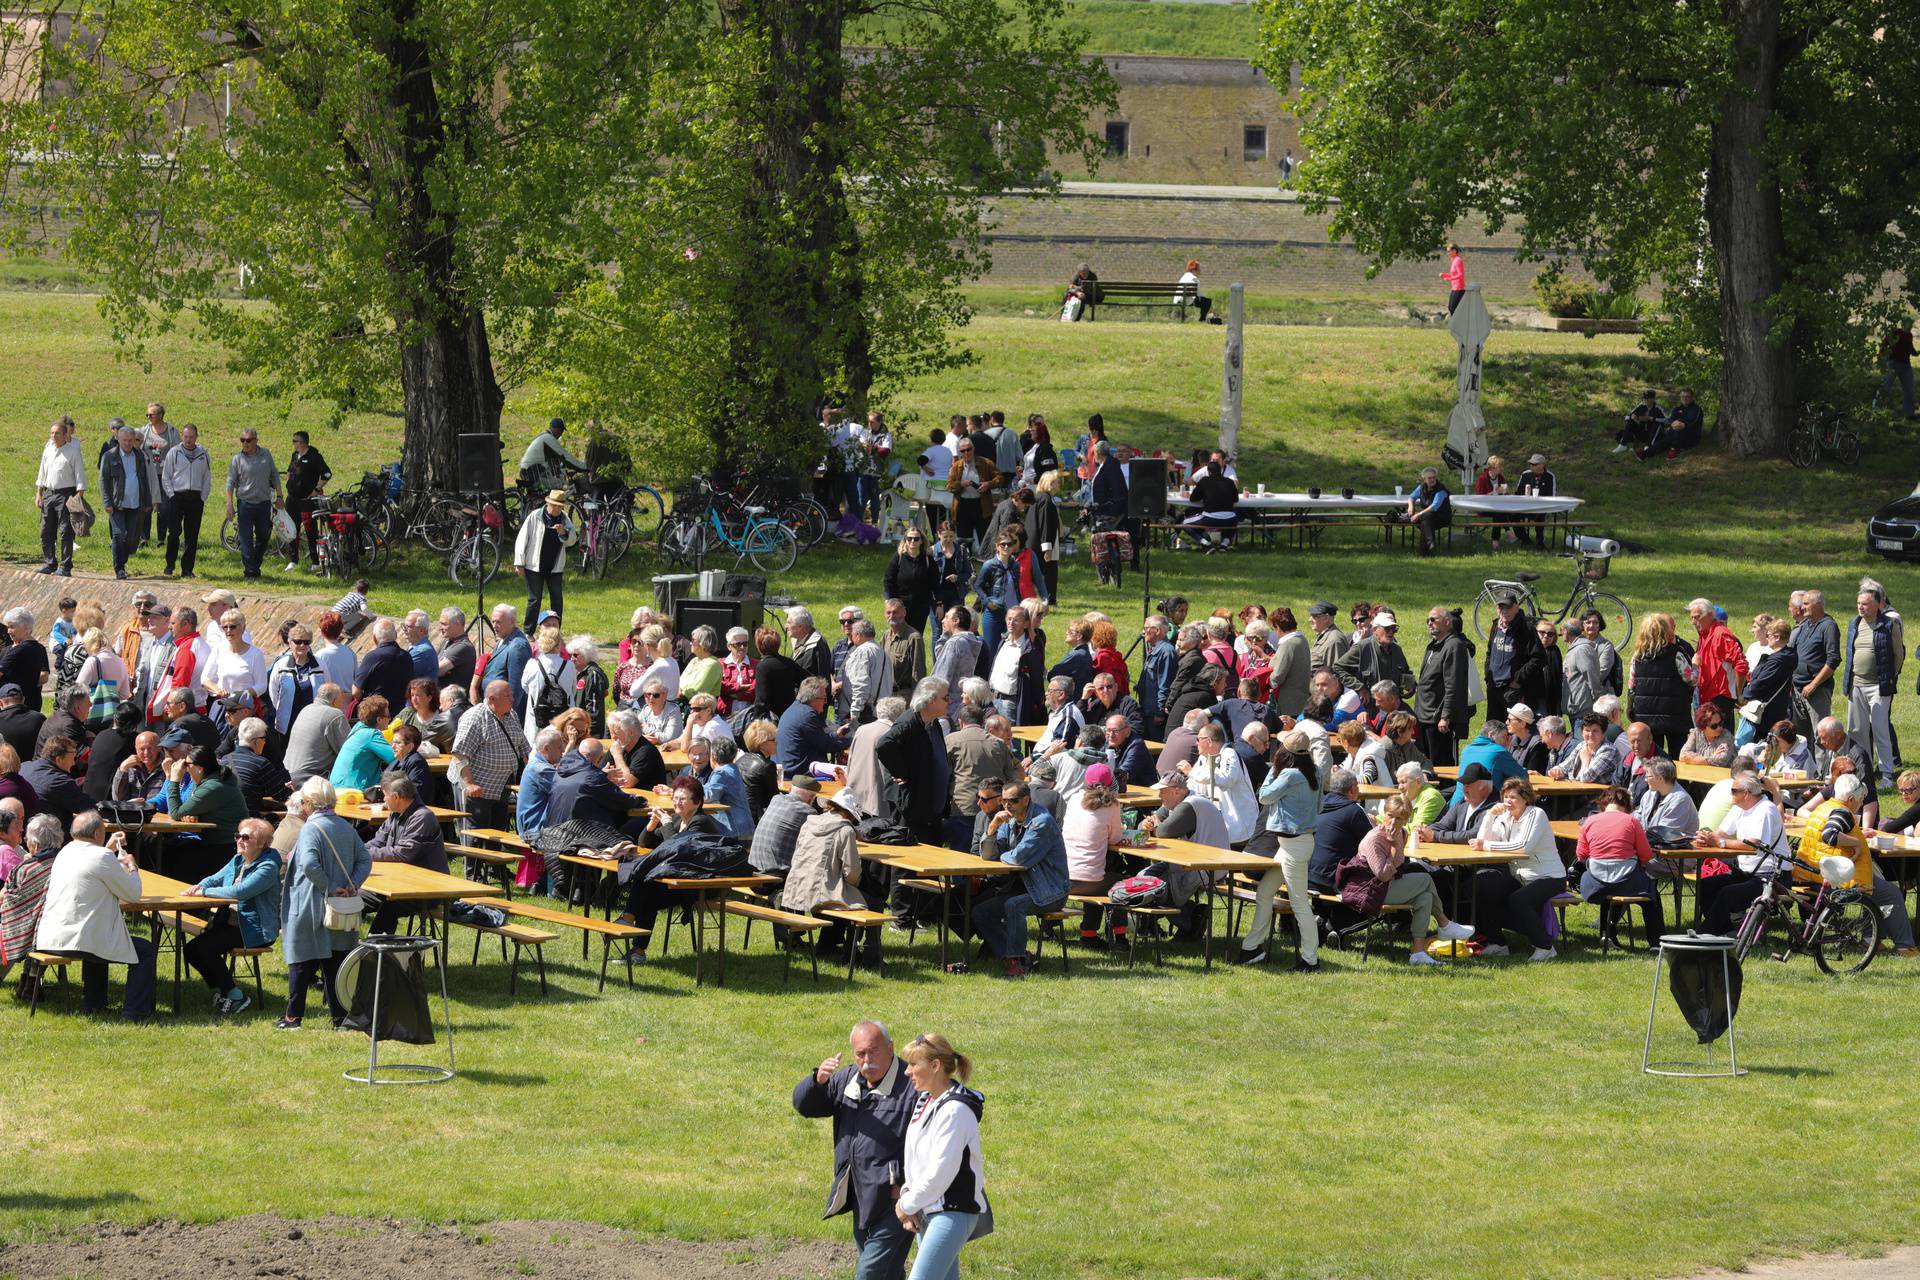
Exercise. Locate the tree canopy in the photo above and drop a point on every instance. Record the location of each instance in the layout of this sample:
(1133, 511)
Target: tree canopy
(1752, 156)
(664, 213)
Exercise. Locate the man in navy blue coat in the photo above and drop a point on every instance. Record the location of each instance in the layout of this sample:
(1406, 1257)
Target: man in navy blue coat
(871, 1102)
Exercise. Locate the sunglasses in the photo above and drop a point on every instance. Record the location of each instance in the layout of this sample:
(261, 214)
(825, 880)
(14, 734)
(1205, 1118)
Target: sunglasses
(655, 696)
(300, 644)
(227, 628)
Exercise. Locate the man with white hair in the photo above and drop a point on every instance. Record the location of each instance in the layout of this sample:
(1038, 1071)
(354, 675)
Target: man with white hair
(1607, 707)
(1874, 653)
(1720, 664)
(489, 751)
(632, 761)
(1754, 821)
(913, 750)
(259, 778)
(417, 637)
(387, 669)
(956, 656)
(318, 731)
(871, 782)
(1560, 744)
(867, 674)
(88, 885)
(810, 649)
(871, 1103)
(536, 782)
(508, 660)
(1064, 719)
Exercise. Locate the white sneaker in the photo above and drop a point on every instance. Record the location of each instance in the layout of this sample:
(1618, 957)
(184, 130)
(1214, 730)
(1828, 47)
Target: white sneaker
(1495, 949)
(1421, 957)
(293, 566)
(1619, 448)
(1453, 931)
(1542, 953)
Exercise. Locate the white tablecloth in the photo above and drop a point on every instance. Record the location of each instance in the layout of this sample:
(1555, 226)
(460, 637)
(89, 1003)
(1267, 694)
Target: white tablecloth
(1489, 504)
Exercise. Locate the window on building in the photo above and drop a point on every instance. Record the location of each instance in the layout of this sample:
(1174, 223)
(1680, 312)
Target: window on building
(1253, 142)
(1117, 139)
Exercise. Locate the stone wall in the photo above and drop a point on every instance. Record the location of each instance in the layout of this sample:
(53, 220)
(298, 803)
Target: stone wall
(1186, 121)
(1262, 238)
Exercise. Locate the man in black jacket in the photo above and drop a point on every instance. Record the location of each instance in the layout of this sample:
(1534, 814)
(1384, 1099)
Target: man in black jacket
(410, 835)
(914, 751)
(307, 475)
(260, 778)
(129, 489)
(871, 1103)
(1516, 668)
(19, 724)
(581, 789)
(1440, 699)
(1378, 657)
(1343, 824)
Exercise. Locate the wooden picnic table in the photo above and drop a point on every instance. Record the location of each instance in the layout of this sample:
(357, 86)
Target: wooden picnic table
(1139, 797)
(1032, 733)
(1190, 856)
(439, 764)
(1456, 855)
(1543, 786)
(828, 787)
(404, 882)
(162, 897)
(932, 862)
(710, 894)
(379, 813)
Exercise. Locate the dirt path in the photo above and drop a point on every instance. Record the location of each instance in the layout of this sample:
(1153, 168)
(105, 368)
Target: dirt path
(364, 1249)
(1900, 1264)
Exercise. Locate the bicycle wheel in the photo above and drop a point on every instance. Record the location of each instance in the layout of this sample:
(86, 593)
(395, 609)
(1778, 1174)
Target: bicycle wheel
(375, 548)
(1759, 933)
(618, 535)
(1846, 448)
(1848, 935)
(1803, 447)
(475, 559)
(808, 521)
(442, 524)
(230, 535)
(771, 547)
(1618, 617)
(1484, 612)
(648, 512)
(680, 539)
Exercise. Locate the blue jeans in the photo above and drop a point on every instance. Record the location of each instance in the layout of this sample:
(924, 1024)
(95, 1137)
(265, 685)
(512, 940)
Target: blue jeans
(1001, 921)
(883, 1249)
(255, 522)
(940, 1242)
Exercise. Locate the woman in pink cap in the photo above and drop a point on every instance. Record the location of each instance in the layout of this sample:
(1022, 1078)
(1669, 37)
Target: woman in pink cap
(1090, 829)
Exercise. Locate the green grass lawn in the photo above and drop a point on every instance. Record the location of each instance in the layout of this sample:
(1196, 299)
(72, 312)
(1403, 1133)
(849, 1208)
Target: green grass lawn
(1129, 26)
(1486, 1120)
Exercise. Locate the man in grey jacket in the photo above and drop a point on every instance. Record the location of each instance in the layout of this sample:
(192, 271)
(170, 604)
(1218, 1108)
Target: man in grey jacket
(318, 731)
(870, 1101)
(186, 482)
(956, 656)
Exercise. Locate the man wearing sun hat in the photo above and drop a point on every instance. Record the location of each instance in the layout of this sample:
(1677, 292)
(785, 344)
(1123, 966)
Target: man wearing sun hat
(1536, 482)
(540, 552)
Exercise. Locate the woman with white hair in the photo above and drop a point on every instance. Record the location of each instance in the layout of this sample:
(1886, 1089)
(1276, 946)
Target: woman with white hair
(701, 674)
(329, 863)
(737, 672)
(590, 683)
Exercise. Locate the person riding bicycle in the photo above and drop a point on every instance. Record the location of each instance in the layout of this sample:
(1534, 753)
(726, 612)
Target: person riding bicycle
(546, 462)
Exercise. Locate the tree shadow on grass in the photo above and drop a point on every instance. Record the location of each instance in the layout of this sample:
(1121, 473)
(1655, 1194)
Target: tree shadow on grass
(42, 1201)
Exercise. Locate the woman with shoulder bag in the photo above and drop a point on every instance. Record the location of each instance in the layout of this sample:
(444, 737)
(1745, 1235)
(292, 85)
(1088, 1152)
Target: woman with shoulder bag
(320, 902)
(1376, 877)
(943, 1197)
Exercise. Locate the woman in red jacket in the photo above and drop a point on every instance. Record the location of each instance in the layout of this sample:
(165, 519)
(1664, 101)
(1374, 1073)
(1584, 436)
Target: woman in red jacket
(1107, 657)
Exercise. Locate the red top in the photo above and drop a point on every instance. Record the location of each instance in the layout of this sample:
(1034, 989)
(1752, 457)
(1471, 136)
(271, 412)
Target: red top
(1718, 649)
(1456, 273)
(1110, 661)
(1613, 835)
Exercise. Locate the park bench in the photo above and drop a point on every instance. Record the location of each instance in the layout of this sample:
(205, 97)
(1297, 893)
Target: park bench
(608, 931)
(1143, 293)
(502, 862)
(856, 919)
(797, 925)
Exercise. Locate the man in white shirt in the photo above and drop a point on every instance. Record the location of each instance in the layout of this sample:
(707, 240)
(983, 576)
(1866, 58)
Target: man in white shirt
(62, 474)
(868, 675)
(1754, 820)
(1065, 720)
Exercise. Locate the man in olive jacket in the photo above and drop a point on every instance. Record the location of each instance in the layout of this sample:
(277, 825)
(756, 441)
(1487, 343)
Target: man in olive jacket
(1441, 703)
(871, 1102)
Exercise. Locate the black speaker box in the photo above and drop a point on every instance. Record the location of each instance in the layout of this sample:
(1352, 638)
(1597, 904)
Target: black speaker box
(1147, 489)
(721, 615)
(750, 589)
(477, 464)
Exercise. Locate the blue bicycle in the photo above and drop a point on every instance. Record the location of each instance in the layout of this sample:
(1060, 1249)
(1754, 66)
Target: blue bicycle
(697, 528)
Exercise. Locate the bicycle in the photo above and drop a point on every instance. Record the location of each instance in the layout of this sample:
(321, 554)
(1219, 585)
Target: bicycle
(694, 529)
(603, 529)
(1823, 429)
(1839, 926)
(475, 557)
(1588, 570)
(348, 545)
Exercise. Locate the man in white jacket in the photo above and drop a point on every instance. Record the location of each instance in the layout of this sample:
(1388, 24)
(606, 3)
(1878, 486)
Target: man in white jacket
(83, 918)
(540, 552)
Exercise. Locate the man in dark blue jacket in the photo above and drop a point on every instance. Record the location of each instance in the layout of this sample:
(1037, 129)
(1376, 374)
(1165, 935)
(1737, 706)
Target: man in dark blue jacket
(802, 737)
(871, 1102)
(1343, 824)
(581, 789)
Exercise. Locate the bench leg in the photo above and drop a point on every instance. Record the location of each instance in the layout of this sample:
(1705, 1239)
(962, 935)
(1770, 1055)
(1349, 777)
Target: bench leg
(540, 959)
(606, 951)
(259, 996)
(476, 946)
(38, 972)
(513, 970)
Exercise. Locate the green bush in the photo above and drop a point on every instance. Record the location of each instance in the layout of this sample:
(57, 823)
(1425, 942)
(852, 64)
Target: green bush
(1582, 299)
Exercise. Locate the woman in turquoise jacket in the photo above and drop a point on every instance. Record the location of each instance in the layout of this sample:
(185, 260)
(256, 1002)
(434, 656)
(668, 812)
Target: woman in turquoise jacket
(366, 753)
(252, 881)
(329, 859)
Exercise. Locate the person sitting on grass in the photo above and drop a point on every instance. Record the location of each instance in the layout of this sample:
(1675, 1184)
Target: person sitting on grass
(252, 880)
(1614, 847)
(1511, 898)
(1642, 424)
(1377, 877)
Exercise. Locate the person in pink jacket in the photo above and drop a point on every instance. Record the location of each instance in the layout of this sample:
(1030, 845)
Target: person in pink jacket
(1456, 277)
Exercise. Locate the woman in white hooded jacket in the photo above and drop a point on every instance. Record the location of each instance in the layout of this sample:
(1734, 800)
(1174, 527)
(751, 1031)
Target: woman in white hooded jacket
(1218, 774)
(943, 1197)
(1515, 896)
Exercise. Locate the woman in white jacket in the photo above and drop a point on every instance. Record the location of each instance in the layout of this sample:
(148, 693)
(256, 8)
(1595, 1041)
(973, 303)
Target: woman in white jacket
(82, 917)
(1218, 774)
(943, 1196)
(1515, 896)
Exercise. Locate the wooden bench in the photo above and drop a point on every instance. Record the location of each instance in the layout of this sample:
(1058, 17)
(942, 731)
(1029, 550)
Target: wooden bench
(194, 926)
(1130, 916)
(43, 961)
(608, 931)
(1364, 926)
(1144, 293)
(522, 937)
(792, 921)
(856, 919)
(501, 860)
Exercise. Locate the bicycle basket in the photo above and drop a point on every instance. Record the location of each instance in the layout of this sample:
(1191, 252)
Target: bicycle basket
(1594, 568)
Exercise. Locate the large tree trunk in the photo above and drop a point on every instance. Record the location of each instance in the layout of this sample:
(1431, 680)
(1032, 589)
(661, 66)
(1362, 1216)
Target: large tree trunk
(446, 363)
(797, 327)
(1749, 247)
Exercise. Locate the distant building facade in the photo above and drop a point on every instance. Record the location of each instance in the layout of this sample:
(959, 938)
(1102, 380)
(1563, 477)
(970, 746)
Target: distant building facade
(1211, 121)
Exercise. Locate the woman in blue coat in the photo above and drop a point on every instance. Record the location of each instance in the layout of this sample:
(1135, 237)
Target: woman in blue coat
(252, 881)
(328, 860)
